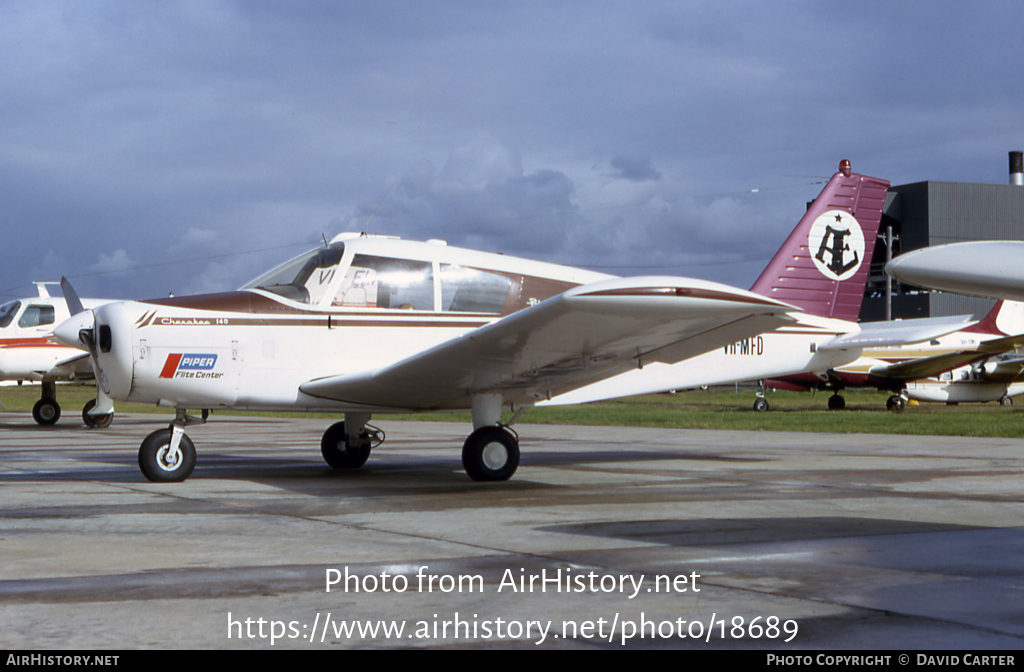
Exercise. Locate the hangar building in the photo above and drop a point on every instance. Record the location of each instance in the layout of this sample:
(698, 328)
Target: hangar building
(923, 214)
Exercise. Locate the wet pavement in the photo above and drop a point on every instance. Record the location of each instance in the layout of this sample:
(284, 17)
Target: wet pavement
(605, 537)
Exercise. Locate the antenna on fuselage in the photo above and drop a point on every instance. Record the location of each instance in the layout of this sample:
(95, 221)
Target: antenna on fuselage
(366, 229)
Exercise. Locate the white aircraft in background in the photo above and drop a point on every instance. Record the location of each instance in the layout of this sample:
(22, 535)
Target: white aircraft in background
(992, 269)
(963, 366)
(374, 324)
(29, 352)
(989, 268)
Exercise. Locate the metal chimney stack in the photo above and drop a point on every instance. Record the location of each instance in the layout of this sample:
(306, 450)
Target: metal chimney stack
(1017, 169)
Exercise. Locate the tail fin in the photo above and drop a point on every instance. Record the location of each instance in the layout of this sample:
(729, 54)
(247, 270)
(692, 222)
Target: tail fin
(1006, 319)
(823, 265)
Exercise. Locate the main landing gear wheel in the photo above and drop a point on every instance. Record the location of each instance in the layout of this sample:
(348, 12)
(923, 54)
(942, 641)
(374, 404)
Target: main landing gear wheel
(1006, 401)
(761, 405)
(160, 464)
(339, 453)
(46, 411)
(895, 404)
(836, 403)
(491, 453)
(95, 421)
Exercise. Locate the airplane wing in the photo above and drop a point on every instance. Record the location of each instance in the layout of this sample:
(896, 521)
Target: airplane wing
(581, 336)
(926, 367)
(1007, 370)
(78, 364)
(900, 332)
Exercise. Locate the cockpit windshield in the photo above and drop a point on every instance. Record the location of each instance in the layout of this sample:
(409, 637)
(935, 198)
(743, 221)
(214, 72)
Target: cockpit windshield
(304, 278)
(7, 313)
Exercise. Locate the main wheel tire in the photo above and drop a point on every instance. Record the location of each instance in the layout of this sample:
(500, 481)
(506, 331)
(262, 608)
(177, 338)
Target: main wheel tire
(836, 403)
(46, 412)
(159, 465)
(95, 421)
(1006, 401)
(895, 404)
(337, 451)
(490, 454)
(761, 405)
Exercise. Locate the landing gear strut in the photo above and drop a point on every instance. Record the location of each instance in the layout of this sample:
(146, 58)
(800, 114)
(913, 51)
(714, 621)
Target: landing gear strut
(47, 411)
(491, 453)
(168, 455)
(95, 421)
(760, 403)
(347, 446)
(896, 403)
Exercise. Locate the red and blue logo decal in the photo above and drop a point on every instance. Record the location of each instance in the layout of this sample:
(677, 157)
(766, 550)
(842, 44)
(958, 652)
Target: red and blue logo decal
(187, 362)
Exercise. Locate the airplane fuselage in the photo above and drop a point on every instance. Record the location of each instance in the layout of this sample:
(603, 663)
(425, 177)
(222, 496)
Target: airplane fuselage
(355, 306)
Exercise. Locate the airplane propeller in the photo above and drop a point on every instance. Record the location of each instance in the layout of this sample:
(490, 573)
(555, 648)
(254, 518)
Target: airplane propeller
(79, 330)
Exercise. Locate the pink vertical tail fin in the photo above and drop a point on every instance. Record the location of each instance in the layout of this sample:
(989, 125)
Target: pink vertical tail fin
(823, 265)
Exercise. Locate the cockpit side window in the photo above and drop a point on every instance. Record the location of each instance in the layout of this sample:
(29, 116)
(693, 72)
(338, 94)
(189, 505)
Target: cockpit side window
(305, 278)
(469, 290)
(382, 282)
(7, 313)
(36, 316)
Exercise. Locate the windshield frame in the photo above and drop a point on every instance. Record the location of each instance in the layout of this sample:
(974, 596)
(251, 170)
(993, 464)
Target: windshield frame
(290, 280)
(8, 312)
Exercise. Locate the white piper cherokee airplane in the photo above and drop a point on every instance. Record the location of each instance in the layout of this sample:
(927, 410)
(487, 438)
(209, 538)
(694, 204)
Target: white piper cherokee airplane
(374, 324)
(28, 352)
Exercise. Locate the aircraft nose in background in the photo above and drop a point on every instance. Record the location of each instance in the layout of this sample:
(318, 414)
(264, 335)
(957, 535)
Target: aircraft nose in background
(67, 331)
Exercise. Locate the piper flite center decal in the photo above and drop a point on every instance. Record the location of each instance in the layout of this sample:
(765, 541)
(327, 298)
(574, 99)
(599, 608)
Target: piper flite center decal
(190, 366)
(837, 243)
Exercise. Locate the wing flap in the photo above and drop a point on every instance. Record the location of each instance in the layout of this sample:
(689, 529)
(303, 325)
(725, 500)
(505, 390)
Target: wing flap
(584, 335)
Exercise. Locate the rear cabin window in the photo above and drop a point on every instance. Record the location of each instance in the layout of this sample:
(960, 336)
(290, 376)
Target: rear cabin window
(468, 290)
(381, 282)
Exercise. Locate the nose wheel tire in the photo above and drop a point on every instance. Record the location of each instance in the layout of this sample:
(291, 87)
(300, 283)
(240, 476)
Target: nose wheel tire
(160, 464)
(491, 454)
(895, 404)
(836, 403)
(46, 412)
(339, 453)
(95, 421)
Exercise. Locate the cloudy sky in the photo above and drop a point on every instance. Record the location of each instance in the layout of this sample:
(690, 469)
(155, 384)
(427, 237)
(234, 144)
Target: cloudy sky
(157, 147)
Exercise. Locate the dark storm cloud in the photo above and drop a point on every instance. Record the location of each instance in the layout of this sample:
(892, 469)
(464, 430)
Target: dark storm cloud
(145, 145)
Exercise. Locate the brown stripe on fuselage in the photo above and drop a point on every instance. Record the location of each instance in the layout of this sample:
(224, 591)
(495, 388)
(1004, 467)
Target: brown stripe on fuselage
(229, 302)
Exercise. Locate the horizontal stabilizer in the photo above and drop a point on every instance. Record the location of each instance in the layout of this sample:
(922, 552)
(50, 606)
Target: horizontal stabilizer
(899, 332)
(998, 345)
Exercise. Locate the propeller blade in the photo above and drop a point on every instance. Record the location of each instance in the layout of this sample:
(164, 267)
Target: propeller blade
(71, 297)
